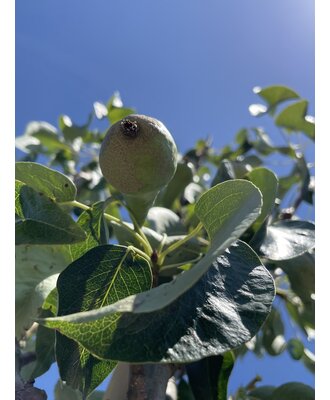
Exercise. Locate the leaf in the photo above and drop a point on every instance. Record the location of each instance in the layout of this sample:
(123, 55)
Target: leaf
(274, 95)
(235, 169)
(295, 348)
(41, 137)
(293, 391)
(70, 130)
(116, 111)
(45, 338)
(226, 219)
(267, 183)
(28, 302)
(189, 251)
(257, 109)
(301, 274)
(184, 391)
(182, 177)
(192, 192)
(288, 239)
(162, 220)
(226, 369)
(93, 223)
(262, 393)
(224, 309)
(308, 359)
(34, 263)
(43, 221)
(100, 277)
(62, 391)
(293, 118)
(209, 377)
(226, 204)
(273, 334)
(51, 183)
(36, 269)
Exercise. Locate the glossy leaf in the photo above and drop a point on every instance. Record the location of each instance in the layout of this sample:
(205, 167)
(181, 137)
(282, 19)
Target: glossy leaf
(226, 210)
(224, 309)
(293, 118)
(51, 183)
(267, 183)
(288, 239)
(43, 221)
(100, 277)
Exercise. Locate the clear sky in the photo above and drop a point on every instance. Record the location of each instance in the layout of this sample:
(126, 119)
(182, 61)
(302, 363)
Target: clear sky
(190, 63)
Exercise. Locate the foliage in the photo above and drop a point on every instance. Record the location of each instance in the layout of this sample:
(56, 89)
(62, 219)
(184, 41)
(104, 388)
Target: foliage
(195, 285)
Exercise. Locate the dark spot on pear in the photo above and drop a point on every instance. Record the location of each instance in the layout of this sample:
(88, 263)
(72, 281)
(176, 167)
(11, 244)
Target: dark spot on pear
(129, 128)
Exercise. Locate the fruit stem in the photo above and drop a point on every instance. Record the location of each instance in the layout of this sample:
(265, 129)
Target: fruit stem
(179, 243)
(140, 236)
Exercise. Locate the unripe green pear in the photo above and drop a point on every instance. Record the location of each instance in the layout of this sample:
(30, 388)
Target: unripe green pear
(138, 157)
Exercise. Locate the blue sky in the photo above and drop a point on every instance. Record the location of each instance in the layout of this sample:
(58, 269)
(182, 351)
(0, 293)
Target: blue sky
(190, 63)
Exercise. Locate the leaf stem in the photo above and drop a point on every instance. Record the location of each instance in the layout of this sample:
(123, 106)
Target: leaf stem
(179, 243)
(141, 238)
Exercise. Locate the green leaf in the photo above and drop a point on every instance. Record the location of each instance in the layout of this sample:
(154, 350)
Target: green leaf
(267, 183)
(226, 219)
(116, 114)
(93, 223)
(70, 130)
(182, 177)
(295, 348)
(293, 391)
(41, 137)
(308, 359)
(226, 204)
(273, 334)
(226, 369)
(42, 220)
(274, 95)
(162, 220)
(45, 338)
(209, 377)
(51, 183)
(224, 309)
(100, 277)
(36, 269)
(116, 111)
(262, 393)
(293, 118)
(184, 391)
(28, 302)
(288, 239)
(62, 391)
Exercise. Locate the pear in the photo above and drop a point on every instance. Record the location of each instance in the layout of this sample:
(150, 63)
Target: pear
(138, 157)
